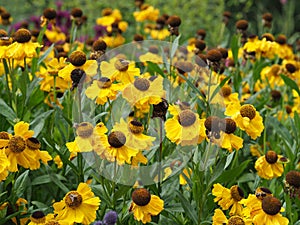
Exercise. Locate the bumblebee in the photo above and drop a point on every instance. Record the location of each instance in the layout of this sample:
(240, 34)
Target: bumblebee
(262, 192)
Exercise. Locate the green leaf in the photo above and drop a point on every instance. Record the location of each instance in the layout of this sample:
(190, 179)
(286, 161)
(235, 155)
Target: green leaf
(153, 67)
(229, 159)
(175, 45)
(234, 45)
(230, 175)
(186, 205)
(7, 111)
(59, 183)
(38, 123)
(47, 52)
(289, 82)
(44, 179)
(21, 183)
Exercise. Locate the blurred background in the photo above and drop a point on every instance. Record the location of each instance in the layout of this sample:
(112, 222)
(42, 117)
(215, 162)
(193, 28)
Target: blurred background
(195, 14)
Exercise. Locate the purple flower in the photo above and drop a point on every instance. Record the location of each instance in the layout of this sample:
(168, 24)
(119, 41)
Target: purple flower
(98, 222)
(110, 218)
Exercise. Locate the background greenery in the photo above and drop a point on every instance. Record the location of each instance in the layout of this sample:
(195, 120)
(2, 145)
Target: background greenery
(204, 14)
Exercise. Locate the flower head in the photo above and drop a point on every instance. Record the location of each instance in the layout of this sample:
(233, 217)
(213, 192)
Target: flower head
(144, 205)
(78, 206)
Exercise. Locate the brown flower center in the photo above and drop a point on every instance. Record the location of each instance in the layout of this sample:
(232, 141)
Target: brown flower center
(248, 111)
(141, 196)
(290, 67)
(187, 118)
(136, 127)
(22, 35)
(214, 55)
(230, 126)
(271, 205)
(225, 91)
(77, 58)
(17, 144)
(49, 13)
(213, 123)
(33, 143)
(73, 199)
(236, 193)
(38, 217)
(122, 64)
(4, 135)
(116, 139)
(271, 157)
(242, 24)
(84, 129)
(141, 84)
(99, 45)
(235, 220)
(293, 178)
(104, 82)
(76, 12)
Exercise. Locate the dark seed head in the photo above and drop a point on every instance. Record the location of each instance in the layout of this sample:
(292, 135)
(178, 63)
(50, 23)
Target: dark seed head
(99, 45)
(293, 178)
(77, 58)
(242, 25)
(22, 35)
(174, 21)
(236, 193)
(141, 84)
(214, 55)
(49, 13)
(76, 12)
(187, 118)
(271, 157)
(291, 67)
(271, 205)
(141, 196)
(116, 139)
(230, 126)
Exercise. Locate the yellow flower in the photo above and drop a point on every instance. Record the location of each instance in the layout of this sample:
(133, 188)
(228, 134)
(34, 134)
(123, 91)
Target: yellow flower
(116, 147)
(184, 127)
(55, 35)
(114, 41)
(182, 178)
(143, 92)
(133, 131)
(220, 219)
(87, 136)
(269, 166)
(144, 205)
(57, 160)
(229, 198)
(22, 47)
(119, 69)
(246, 118)
(147, 13)
(4, 162)
(103, 89)
(270, 213)
(37, 218)
(51, 219)
(78, 61)
(151, 57)
(109, 17)
(159, 34)
(78, 206)
(23, 149)
(48, 74)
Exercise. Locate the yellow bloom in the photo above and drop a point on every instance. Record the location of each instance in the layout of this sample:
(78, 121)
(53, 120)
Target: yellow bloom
(23, 149)
(270, 213)
(151, 57)
(143, 92)
(116, 147)
(78, 61)
(119, 69)
(58, 162)
(220, 219)
(37, 218)
(228, 198)
(159, 34)
(184, 127)
(147, 13)
(55, 35)
(114, 41)
(229, 141)
(78, 206)
(87, 137)
(103, 89)
(51, 219)
(182, 178)
(109, 17)
(144, 205)
(246, 118)
(269, 166)
(22, 47)
(133, 130)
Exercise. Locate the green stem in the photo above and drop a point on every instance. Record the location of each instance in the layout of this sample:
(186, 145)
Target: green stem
(80, 168)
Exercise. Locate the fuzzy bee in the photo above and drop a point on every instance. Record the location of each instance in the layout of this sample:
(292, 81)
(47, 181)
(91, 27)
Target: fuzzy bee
(262, 192)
